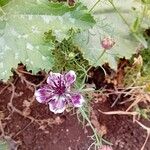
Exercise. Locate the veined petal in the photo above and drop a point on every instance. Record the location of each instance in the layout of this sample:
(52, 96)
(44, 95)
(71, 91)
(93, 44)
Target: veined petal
(70, 77)
(77, 100)
(43, 95)
(53, 79)
(57, 105)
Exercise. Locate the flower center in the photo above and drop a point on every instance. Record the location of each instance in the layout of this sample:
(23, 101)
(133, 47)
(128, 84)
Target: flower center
(60, 90)
(60, 87)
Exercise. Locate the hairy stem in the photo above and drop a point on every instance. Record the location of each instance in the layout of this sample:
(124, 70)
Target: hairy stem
(115, 8)
(94, 5)
(98, 141)
(97, 60)
(1, 10)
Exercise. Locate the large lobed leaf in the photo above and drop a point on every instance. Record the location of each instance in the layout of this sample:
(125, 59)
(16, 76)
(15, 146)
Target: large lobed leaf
(22, 28)
(109, 24)
(90, 45)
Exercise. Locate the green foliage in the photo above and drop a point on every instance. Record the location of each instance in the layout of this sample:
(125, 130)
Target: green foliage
(96, 137)
(114, 19)
(142, 21)
(3, 145)
(49, 37)
(146, 55)
(145, 113)
(90, 44)
(22, 28)
(146, 1)
(68, 57)
(4, 2)
(146, 59)
(143, 13)
(136, 25)
(36, 34)
(139, 73)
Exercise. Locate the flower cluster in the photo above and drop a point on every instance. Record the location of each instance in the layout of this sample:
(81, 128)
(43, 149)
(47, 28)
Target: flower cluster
(57, 92)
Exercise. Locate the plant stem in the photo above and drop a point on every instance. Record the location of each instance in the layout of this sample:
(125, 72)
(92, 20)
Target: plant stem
(80, 66)
(94, 5)
(2, 11)
(115, 8)
(97, 60)
(143, 14)
(98, 141)
(86, 73)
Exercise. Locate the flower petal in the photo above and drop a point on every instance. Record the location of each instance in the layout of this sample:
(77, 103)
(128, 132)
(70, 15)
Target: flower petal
(57, 105)
(43, 95)
(70, 77)
(53, 79)
(77, 100)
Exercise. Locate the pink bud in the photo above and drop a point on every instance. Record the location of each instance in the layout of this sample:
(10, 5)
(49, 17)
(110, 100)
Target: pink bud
(107, 43)
(71, 2)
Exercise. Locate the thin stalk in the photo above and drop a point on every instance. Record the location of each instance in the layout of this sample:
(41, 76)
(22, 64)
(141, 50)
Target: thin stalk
(87, 119)
(97, 60)
(111, 2)
(143, 13)
(82, 68)
(2, 11)
(86, 73)
(94, 5)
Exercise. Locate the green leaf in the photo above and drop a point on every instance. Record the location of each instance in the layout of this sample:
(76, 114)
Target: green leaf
(44, 7)
(136, 25)
(38, 7)
(141, 39)
(22, 29)
(146, 1)
(90, 44)
(4, 2)
(110, 23)
(22, 41)
(3, 145)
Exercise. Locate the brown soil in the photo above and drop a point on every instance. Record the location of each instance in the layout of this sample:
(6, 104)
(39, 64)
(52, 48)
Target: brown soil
(32, 126)
(121, 131)
(41, 130)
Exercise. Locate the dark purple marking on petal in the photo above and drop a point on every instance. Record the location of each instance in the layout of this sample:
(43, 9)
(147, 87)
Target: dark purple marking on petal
(57, 105)
(53, 79)
(44, 94)
(57, 83)
(77, 100)
(70, 77)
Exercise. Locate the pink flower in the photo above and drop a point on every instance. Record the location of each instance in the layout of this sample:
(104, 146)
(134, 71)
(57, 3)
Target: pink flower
(56, 93)
(107, 43)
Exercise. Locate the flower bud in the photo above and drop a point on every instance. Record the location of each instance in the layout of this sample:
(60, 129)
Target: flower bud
(71, 2)
(71, 55)
(107, 43)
